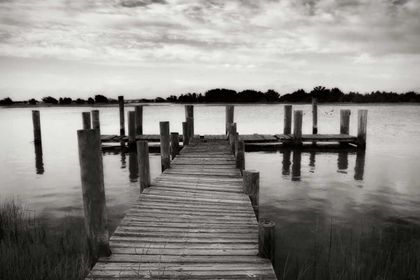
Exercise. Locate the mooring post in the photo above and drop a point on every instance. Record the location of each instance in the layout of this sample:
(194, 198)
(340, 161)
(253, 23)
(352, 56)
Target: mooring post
(232, 137)
(345, 122)
(240, 155)
(185, 135)
(229, 116)
(131, 130)
(251, 187)
(95, 120)
(165, 146)
(314, 116)
(86, 120)
(266, 240)
(190, 122)
(287, 119)
(362, 129)
(92, 177)
(174, 144)
(139, 120)
(144, 164)
(297, 128)
(36, 120)
(189, 113)
(122, 121)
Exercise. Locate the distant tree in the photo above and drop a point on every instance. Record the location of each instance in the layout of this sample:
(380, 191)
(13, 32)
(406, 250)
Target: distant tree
(90, 100)
(6, 101)
(80, 101)
(159, 100)
(271, 95)
(220, 95)
(33, 101)
(101, 99)
(172, 98)
(50, 100)
(65, 100)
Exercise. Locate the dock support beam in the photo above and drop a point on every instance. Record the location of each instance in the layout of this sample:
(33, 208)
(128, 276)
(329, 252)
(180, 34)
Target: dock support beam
(345, 122)
(131, 130)
(287, 119)
(314, 116)
(139, 120)
(95, 120)
(36, 120)
(232, 137)
(185, 134)
(297, 128)
(251, 187)
(174, 144)
(92, 177)
(122, 121)
(229, 116)
(190, 122)
(266, 240)
(240, 155)
(189, 113)
(165, 146)
(144, 164)
(362, 129)
(86, 120)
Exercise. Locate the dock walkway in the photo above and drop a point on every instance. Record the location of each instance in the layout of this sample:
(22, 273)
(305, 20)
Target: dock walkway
(194, 222)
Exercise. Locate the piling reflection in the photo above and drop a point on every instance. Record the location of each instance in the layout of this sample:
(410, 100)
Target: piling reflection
(39, 162)
(286, 162)
(133, 167)
(312, 161)
(123, 160)
(342, 162)
(359, 169)
(297, 159)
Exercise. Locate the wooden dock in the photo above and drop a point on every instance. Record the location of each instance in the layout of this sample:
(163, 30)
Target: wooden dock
(194, 222)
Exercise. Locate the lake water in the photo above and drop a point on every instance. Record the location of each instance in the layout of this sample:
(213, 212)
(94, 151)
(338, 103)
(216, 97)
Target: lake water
(306, 193)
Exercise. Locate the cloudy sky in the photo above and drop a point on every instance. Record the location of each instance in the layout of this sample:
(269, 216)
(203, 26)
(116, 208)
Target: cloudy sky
(149, 48)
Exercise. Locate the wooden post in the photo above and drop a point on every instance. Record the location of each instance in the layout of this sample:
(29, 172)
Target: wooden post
(189, 113)
(343, 162)
(251, 187)
(359, 169)
(266, 240)
(229, 116)
(297, 128)
(133, 166)
(287, 119)
(39, 163)
(345, 122)
(139, 120)
(144, 164)
(92, 177)
(232, 137)
(95, 120)
(240, 155)
(122, 121)
(165, 146)
(86, 120)
(296, 166)
(362, 129)
(174, 144)
(314, 116)
(36, 120)
(190, 122)
(131, 129)
(185, 134)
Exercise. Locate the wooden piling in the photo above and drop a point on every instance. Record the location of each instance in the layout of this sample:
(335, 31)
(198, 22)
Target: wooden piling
(122, 121)
(345, 122)
(287, 119)
(86, 120)
(266, 240)
(174, 144)
(297, 128)
(362, 129)
(240, 155)
(190, 122)
(139, 120)
(92, 177)
(39, 162)
(189, 113)
(232, 134)
(36, 120)
(95, 120)
(131, 129)
(251, 187)
(296, 165)
(229, 116)
(185, 134)
(144, 164)
(165, 146)
(314, 116)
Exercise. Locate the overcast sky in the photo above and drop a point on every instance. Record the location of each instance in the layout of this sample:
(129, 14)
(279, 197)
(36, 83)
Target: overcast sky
(150, 48)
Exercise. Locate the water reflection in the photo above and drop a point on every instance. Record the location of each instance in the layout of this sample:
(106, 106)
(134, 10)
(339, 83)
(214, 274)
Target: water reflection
(39, 162)
(343, 162)
(359, 169)
(312, 161)
(297, 158)
(123, 160)
(286, 162)
(133, 167)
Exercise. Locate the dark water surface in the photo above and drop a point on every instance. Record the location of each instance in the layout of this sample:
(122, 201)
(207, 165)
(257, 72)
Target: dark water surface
(307, 193)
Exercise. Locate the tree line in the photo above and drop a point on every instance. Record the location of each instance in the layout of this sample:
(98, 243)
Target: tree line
(222, 95)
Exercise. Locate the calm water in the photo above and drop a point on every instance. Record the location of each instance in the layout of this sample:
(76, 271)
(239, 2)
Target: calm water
(302, 192)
